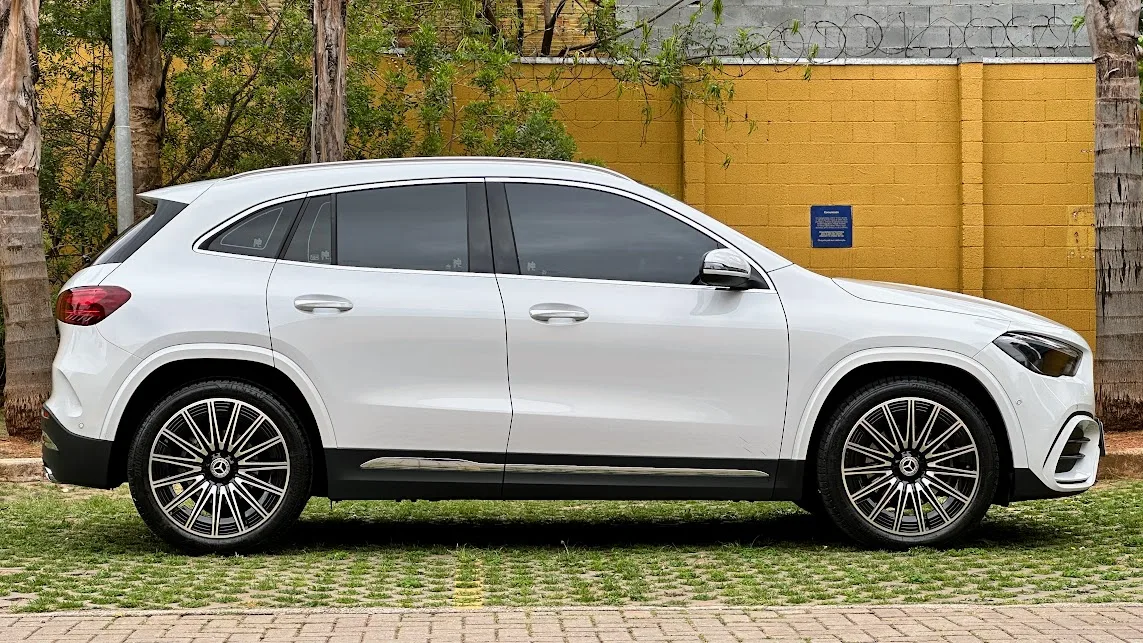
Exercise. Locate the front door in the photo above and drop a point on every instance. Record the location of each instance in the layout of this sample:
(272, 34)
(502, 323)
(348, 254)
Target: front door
(628, 377)
(386, 299)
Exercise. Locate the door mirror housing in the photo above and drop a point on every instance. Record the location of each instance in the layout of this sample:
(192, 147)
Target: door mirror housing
(726, 268)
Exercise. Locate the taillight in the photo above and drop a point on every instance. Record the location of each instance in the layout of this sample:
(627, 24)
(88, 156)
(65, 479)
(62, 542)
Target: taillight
(88, 305)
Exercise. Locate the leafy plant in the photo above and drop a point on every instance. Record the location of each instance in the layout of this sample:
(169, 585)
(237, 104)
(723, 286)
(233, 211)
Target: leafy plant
(426, 78)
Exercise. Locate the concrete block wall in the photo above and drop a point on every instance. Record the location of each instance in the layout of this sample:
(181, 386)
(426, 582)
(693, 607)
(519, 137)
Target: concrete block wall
(895, 28)
(970, 176)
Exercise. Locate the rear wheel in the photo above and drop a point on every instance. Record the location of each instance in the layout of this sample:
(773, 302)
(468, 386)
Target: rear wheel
(219, 466)
(907, 461)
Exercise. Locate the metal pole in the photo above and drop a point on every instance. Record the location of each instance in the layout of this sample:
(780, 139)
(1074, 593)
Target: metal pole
(124, 182)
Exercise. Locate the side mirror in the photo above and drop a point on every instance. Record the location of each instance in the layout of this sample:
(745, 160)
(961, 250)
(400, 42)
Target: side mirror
(725, 268)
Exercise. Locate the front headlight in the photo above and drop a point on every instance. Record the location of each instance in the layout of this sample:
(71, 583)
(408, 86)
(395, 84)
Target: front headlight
(1041, 354)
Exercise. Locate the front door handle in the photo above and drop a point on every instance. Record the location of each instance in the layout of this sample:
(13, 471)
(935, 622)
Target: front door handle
(549, 312)
(314, 303)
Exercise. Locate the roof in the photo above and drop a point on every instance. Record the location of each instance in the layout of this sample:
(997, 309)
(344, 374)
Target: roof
(297, 179)
(438, 161)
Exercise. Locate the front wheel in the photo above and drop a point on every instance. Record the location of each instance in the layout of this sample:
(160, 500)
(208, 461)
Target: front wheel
(906, 462)
(219, 466)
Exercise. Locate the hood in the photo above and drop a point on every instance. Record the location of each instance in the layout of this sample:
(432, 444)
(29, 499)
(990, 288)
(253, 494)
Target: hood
(952, 302)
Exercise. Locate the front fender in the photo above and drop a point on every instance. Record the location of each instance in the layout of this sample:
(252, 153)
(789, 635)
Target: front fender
(801, 422)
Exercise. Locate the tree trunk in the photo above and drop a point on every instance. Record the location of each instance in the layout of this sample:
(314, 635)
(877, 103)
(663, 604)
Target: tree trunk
(551, 17)
(327, 135)
(30, 337)
(145, 75)
(1112, 28)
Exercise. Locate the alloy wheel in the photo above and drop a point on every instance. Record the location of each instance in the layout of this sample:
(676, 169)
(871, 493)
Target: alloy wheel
(219, 468)
(910, 466)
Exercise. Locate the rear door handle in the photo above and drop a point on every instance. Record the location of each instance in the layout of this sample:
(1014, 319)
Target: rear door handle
(314, 303)
(549, 312)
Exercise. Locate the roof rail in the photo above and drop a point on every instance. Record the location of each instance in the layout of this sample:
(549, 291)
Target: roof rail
(432, 159)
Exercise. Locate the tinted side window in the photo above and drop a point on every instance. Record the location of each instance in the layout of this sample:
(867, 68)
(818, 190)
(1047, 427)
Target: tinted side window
(566, 231)
(134, 237)
(259, 235)
(313, 239)
(414, 227)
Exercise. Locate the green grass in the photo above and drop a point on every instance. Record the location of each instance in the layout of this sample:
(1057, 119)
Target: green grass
(69, 549)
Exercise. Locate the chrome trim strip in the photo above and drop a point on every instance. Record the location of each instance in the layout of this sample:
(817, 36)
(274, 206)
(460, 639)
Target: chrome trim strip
(399, 463)
(576, 469)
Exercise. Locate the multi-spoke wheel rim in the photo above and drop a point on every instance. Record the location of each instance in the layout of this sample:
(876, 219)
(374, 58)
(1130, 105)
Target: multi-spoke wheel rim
(910, 466)
(219, 468)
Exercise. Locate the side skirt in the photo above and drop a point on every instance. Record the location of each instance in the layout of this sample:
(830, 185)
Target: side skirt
(438, 475)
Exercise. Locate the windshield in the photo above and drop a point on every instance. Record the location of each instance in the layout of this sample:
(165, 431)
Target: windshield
(134, 237)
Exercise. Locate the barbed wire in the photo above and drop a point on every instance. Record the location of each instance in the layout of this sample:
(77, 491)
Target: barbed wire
(864, 36)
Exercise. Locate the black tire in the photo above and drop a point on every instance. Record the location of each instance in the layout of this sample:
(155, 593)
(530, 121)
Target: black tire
(246, 401)
(884, 529)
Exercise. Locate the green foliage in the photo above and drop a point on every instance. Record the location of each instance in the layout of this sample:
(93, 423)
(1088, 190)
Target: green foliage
(427, 78)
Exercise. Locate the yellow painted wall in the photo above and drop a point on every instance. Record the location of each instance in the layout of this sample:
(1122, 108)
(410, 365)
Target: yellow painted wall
(968, 177)
(1038, 195)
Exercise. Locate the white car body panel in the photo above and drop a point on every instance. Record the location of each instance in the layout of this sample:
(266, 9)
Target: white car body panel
(418, 363)
(440, 361)
(131, 380)
(663, 370)
(891, 322)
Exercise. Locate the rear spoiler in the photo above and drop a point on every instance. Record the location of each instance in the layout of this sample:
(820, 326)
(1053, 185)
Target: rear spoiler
(184, 193)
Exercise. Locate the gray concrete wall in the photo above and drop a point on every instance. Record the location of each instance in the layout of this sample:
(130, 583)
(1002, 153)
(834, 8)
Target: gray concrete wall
(894, 28)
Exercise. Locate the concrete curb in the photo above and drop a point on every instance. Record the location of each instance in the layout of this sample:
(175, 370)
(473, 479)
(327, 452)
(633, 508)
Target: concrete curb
(1121, 464)
(21, 470)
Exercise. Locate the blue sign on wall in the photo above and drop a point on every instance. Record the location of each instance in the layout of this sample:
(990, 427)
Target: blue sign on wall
(831, 226)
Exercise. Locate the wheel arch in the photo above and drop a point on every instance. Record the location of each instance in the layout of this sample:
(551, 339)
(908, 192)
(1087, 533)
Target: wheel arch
(959, 371)
(171, 369)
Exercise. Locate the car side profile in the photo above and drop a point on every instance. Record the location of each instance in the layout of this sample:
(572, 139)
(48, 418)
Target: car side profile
(521, 329)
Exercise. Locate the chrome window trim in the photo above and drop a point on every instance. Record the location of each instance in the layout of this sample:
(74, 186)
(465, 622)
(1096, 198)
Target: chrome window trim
(199, 245)
(411, 271)
(395, 184)
(632, 283)
(645, 201)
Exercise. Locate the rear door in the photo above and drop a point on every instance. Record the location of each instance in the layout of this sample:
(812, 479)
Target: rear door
(386, 299)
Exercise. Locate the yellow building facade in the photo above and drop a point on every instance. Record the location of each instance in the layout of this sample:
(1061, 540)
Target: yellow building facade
(968, 176)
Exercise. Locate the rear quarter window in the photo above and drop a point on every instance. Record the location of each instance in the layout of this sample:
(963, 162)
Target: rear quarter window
(260, 234)
(134, 237)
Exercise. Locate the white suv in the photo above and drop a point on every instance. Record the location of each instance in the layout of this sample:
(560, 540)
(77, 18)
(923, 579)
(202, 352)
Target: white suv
(510, 328)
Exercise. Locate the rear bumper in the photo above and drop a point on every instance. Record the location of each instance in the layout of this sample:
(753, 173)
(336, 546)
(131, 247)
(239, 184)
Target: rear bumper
(74, 459)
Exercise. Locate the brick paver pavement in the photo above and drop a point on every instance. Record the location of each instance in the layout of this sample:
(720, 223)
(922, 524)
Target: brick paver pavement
(944, 623)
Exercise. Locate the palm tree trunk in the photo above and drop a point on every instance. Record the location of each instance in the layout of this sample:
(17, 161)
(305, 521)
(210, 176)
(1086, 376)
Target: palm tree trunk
(145, 74)
(1112, 28)
(30, 337)
(327, 136)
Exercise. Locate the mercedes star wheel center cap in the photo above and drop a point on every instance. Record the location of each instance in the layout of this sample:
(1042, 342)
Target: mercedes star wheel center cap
(219, 467)
(909, 464)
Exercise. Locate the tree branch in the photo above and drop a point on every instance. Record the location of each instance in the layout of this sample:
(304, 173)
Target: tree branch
(550, 19)
(489, 13)
(100, 144)
(637, 26)
(233, 111)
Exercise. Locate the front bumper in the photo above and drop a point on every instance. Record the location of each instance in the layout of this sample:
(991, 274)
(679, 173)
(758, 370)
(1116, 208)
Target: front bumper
(1070, 466)
(74, 459)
